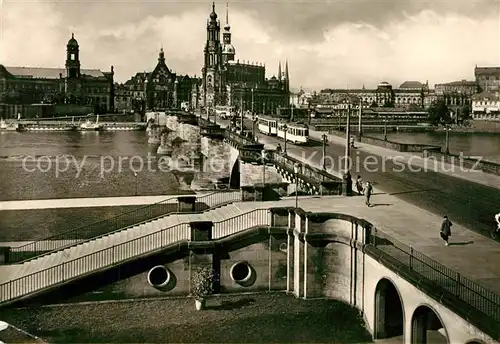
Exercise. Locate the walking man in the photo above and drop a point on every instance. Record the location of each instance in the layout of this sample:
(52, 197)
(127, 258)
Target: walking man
(368, 193)
(359, 185)
(446, 229)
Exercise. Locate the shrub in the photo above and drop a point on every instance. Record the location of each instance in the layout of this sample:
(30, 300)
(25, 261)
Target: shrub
(203, 282)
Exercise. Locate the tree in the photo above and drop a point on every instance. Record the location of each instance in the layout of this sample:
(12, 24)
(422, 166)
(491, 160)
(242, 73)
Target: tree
(374, 104)
(438, 113)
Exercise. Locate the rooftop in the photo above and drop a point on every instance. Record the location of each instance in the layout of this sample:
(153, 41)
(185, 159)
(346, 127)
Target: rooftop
(49, 73)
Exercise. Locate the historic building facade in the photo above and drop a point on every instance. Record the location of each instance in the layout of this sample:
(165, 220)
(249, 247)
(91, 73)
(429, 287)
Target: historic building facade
(156, 90)
(486, 106)
(226, 81)
(409, 94)
(25, 87)
(487, 78)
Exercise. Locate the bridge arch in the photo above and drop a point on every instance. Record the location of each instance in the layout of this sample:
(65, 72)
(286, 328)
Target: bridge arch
(389, 310)
(475, 341)
(425, 326)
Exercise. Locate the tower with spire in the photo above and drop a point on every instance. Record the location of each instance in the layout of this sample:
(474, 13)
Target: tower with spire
(211, 72)
(72, 58)
(228, 51)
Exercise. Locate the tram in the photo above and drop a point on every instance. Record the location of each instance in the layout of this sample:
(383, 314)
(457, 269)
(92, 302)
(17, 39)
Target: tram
(296, 133)
(268, 125)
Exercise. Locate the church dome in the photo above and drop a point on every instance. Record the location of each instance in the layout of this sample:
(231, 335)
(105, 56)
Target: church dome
(228, 49)
(72, 42)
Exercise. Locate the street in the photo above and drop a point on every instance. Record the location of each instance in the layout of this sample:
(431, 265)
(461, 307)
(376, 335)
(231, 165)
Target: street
(469, 204)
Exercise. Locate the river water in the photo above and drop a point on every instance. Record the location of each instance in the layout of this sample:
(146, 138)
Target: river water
(486, 145)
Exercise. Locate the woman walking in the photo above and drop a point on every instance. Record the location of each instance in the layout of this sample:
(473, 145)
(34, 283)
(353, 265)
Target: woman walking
(446, 230)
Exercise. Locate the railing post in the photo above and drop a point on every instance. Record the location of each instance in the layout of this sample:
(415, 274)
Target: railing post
(374, 236)
(411, 257)
(457, 278)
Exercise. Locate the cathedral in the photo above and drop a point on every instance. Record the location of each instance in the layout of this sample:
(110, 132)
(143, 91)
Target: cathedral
(227, 81)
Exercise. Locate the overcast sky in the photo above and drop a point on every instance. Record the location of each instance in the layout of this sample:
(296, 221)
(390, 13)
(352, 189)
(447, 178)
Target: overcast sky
(328, 44)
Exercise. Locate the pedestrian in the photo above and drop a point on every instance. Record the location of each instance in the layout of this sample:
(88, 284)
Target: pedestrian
(368, 193)
(446, 230)
(352, 141)
(359, 185)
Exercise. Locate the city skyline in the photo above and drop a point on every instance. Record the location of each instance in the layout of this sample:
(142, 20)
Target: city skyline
(408, 40)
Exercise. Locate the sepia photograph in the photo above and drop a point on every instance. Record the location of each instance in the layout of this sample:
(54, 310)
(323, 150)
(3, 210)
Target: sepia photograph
(251, 171)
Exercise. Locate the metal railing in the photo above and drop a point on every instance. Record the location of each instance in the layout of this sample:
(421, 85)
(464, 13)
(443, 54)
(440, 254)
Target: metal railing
(92, 231)
(475, 295)
(257, 217)
(110, 256)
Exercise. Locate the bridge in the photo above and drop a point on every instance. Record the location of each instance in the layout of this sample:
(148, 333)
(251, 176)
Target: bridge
(309, 179)
(329, 246)
(401, 291)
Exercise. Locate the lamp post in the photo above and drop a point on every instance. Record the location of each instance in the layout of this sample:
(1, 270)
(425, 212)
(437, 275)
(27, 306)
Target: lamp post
(252, 101)
(285, 128)
(447, 140)
(360, 133)
(135, 175)
(254, 124)
(385, 128)
(325, 138)
(347, 138)
(296, 172)
(263, 154)
(241, 112)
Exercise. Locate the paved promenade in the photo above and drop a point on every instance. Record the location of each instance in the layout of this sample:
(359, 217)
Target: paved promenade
(85, 202)
(469, 253)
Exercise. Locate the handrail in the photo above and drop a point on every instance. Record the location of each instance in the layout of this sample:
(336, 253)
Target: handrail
(470, 292)
(477, 296)
(129, 249)
(72, 237)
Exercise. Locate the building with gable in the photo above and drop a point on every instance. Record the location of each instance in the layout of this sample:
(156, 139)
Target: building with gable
(66, 91)
(156, 90)
(226, 81)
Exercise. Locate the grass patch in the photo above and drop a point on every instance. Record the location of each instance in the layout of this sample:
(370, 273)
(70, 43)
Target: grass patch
(236, 318)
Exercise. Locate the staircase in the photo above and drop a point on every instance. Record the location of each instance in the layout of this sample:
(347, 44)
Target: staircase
(65, 265)
(115, 224)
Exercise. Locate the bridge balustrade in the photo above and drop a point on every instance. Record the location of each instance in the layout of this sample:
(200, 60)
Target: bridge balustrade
(476, 296)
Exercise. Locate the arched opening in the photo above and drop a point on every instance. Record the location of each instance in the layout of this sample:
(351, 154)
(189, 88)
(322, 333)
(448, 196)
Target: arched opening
(389, 315)
(158, 276)
(427, 327)
(475, 342)
(243, 274)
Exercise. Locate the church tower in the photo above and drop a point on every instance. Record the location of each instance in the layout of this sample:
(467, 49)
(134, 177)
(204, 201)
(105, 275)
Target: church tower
(72, 58)
(212, 85)
(228, 51)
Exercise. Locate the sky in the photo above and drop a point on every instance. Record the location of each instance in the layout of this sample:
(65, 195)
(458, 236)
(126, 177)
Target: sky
(328, 44)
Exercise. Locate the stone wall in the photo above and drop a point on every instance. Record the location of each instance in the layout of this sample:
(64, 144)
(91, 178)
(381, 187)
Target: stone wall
(466, 163)
(397, 146)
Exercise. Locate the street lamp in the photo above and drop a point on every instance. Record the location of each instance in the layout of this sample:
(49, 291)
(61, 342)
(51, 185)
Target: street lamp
(252, 100)
(385, 127)
(263, 155)
(135, 175)
(254, 124)
(360, 133)
(347, 139)
(296, 168)
(285, 128)
(447, 142)
(325, 140)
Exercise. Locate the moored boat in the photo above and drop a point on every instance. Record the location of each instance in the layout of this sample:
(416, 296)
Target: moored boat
(4, 126)
(90, 126)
